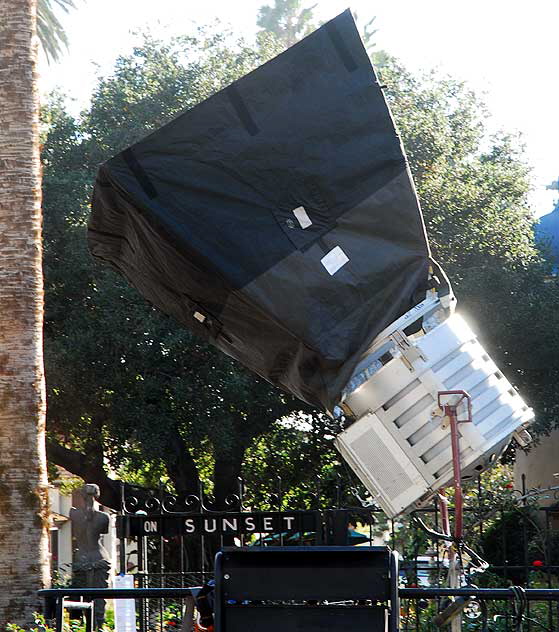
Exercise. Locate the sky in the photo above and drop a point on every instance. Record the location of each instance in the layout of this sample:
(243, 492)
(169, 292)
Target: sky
(505, 49)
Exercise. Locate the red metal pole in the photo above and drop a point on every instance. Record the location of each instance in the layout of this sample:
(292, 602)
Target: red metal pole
(458, 497)
(451, 411)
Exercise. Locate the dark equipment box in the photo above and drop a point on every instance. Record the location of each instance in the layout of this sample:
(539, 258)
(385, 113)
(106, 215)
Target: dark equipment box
(289, 589)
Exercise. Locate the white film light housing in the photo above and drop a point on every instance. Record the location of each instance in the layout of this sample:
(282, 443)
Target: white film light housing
(399, 446)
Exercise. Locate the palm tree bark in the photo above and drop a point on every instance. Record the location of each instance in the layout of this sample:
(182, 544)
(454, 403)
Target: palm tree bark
(23, 482)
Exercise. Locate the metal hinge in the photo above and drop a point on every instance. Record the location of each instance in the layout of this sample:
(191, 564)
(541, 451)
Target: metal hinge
(410, 353)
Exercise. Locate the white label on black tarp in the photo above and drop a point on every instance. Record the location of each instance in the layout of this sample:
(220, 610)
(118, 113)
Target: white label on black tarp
(199, 316)
(334, 260)
(302, 217)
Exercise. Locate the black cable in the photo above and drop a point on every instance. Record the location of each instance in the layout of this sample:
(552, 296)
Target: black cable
(484, 616)
(480, 564)
(431, 532)
(538, 623)
(519, 604)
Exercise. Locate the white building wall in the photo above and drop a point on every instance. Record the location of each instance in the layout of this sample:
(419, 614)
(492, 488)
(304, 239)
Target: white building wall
(539, 465)
(65, 539)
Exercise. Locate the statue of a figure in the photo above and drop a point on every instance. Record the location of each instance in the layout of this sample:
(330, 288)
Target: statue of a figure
(91, 565)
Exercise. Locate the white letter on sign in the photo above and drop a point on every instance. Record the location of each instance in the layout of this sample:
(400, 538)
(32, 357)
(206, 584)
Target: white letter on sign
(267, 523)
(229, 524)
(288, 520)
(150, 526)
(189, 524)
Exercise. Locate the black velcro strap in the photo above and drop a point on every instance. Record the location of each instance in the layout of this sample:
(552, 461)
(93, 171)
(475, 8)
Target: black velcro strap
(139, 173)
(340, 47)
(242, 110)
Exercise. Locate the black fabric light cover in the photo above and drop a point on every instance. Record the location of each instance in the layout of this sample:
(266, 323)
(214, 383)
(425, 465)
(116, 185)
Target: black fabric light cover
(204, 216)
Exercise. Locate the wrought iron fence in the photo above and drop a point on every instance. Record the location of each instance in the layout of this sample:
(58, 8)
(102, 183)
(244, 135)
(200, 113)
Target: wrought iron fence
(169, 542)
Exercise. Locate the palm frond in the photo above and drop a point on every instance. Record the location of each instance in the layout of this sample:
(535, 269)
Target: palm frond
(49, 29)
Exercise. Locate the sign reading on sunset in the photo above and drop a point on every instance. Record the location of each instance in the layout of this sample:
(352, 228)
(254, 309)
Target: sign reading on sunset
(221, 524)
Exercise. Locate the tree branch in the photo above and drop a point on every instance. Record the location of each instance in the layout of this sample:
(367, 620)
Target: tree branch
(179, 463)
(90, 470)
(180, 466)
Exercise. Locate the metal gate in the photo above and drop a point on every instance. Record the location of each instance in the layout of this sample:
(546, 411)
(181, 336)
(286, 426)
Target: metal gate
(170, 542)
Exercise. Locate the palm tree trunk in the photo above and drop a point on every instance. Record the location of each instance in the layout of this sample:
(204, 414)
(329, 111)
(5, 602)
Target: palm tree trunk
(23, 483)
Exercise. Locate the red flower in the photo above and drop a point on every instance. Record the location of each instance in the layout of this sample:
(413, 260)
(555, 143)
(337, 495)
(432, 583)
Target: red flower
(172, 623)
(537, 563)
(509, 486)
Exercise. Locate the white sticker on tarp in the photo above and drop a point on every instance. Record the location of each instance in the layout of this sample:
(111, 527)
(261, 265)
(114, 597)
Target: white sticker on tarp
(200, 317)
(334, 260)
(302, 217)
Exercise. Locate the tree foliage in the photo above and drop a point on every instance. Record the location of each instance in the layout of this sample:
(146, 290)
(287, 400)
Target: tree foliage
(473, 191)
(287, 20)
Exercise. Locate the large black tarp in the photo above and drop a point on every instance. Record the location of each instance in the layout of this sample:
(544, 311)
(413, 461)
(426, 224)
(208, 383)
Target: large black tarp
(277, 219)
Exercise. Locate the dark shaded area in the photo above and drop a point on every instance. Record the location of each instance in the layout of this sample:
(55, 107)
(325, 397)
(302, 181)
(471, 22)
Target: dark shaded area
(199, 216)
(547, 235)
